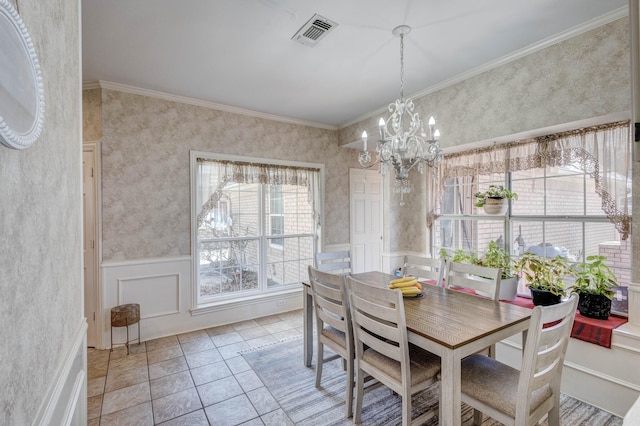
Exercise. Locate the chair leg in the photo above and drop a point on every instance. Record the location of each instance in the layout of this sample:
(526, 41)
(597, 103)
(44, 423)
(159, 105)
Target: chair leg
(319, 362)
(349, 391)
(357, 411)
(477, 417)
(406, 409)
(553, 418)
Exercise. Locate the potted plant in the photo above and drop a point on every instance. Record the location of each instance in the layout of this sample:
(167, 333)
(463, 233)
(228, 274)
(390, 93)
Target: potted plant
(545, 277)
(494, 199)
(495, 257)
(594, 285)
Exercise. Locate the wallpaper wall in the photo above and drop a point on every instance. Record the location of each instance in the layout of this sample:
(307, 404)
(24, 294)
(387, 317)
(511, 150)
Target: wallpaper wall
(41, 223)
(583, 77)
(145, 169)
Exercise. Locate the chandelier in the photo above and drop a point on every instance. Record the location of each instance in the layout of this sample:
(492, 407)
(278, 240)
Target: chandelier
(404, 143)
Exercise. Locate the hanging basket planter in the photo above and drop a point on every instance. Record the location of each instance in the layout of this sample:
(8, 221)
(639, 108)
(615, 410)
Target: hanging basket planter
(496, 206)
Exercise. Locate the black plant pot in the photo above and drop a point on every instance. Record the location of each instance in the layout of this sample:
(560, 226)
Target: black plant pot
(594, 306)
(544, 297)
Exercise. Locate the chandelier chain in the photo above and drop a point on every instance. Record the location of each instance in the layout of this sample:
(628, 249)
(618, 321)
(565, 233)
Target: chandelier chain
(401, 66)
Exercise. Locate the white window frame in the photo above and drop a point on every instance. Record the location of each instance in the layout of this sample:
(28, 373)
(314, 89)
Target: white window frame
(245, 299)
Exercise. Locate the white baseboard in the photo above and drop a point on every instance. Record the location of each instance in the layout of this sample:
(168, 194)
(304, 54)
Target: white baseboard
(66, 400)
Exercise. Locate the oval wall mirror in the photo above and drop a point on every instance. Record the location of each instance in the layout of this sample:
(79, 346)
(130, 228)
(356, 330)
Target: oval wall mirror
(21, 88)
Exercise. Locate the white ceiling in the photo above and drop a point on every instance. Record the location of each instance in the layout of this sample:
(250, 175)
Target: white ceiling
(240, 53)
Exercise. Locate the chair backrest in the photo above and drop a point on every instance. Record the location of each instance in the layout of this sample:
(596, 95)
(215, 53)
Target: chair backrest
(377, 315)
(424, 267)
(544, 352)
(331, 261)
(330, 301)
(485, 281)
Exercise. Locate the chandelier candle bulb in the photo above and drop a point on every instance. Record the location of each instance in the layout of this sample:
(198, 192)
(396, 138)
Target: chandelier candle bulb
(364, 140)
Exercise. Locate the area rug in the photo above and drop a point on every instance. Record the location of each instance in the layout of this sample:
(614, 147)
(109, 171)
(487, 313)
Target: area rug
(281, 369)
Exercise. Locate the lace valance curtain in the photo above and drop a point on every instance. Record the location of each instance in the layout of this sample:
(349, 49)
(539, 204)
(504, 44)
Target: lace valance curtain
(215, 174)
(603, 152)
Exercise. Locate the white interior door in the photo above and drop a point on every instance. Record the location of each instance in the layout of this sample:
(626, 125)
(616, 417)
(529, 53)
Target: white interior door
(366, 220)
(89, 198)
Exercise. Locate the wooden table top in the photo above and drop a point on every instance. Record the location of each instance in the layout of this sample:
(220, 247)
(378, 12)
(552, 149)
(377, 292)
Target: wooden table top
(452, 318)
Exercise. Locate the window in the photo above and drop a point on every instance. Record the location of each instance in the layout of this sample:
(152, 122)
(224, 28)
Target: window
(276, 215)
(564, 207)
(254, 226)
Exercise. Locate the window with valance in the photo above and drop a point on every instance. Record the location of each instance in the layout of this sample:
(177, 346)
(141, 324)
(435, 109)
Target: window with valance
(255, 225)
(574, 196)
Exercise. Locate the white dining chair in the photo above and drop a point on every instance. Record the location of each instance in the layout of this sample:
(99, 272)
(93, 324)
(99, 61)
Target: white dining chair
(333, 326)
(334, 261)
(483, 280)
(423, 267)
(383, 350)
(523, 397)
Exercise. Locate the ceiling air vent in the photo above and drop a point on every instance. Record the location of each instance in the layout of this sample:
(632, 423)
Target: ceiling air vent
(315, 28)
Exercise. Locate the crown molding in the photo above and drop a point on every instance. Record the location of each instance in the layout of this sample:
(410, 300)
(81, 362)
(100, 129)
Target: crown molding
(101, 84)
(513, 56)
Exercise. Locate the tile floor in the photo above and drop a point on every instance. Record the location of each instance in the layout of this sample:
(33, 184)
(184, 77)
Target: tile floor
(196, 378)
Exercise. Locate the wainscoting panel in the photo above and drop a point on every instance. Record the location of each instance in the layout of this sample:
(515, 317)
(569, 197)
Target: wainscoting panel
(163, 288)
(162, 293)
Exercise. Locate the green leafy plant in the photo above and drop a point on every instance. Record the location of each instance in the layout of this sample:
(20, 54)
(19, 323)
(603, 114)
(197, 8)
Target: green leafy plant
(595, 277)
(494, 191)
(497, 257)
(542, 273)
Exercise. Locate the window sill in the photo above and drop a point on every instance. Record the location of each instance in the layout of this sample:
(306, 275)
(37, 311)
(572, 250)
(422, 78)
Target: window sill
(256, 299)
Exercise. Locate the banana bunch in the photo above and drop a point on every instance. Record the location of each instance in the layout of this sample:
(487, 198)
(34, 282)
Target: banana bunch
(409, 286)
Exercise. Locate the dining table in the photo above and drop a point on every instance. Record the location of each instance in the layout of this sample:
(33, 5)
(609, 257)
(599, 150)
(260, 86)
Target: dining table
(449, 323)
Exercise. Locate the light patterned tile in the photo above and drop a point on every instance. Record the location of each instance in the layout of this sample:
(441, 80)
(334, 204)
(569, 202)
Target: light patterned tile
(243, 325)
(237, 365)
(249, 380)
(170, 366)
(226, 339)
(278, 326)
(164, 354)
(196, 418)
(161, 343)
(231, 351)
(172, 383)
(128, 361)
(232, 411)
(192, 335)
(199, 359)
(118, 379)
(278, 417)
(197, 345)
(219, 390)
(125, 398)
(262, 400)
(252, 333)
(210, 372)
(176, 405)
(94, 406)
(138, 415)
(253, 422)
(268, 320)
(95, 386)
(221, 329)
